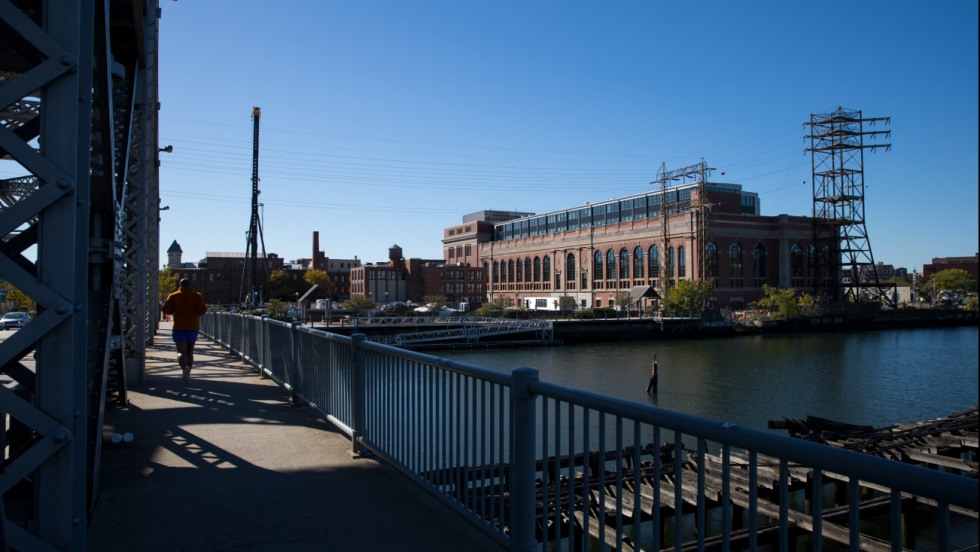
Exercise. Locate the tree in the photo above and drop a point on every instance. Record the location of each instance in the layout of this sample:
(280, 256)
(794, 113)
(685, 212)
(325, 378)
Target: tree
(279, 284)
(317, 277)
(18, 298)
(359, 304)
(567, 303)
(782, 300)
(492, 308)
(688, 297)
(168, 283)
(276, 308)
(954, 279)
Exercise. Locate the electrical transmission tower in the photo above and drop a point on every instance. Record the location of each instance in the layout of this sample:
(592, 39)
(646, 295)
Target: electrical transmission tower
(845, 264)
(250, 281)
(664, 177)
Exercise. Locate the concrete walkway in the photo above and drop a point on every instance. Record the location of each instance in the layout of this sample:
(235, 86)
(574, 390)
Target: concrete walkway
(226, 464)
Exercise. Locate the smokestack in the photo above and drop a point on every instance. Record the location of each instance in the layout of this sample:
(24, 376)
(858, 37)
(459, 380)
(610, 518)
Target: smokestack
(316, 248)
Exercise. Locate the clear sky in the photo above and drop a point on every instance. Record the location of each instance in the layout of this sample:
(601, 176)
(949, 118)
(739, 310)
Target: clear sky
(383, 122)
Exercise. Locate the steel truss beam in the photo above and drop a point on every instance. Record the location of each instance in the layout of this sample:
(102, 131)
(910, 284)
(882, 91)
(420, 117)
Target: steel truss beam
(77, 112)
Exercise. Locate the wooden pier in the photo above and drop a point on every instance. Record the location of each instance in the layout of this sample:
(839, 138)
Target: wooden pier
(578, 495)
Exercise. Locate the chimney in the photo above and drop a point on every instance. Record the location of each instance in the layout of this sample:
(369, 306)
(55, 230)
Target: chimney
(316, 249)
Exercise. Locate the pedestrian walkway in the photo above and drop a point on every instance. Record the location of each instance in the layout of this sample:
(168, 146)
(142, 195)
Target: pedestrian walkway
(226, 463)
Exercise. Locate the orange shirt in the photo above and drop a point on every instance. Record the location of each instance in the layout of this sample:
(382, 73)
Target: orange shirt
(187, 306)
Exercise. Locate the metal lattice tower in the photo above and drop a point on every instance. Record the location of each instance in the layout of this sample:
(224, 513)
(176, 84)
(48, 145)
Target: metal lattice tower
(78, 117)
(250, 280)
(838, 141)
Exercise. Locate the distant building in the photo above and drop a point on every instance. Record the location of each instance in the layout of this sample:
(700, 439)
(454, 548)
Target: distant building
(404, 280)
(219, 275)
(337, 269)
(969, 264)
(460, 243)
(601, 254)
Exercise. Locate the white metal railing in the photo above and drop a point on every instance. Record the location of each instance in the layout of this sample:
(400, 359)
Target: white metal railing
(539, 466)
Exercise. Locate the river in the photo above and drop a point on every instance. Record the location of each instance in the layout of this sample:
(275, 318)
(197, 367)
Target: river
(872, 378)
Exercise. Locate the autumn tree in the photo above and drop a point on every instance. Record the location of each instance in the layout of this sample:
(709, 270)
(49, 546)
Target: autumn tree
(689, 297)
(168, 283)
(359, 304)
(18, 298)
(317, 277)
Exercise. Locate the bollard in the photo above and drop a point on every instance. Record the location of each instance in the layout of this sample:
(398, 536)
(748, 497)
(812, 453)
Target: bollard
(652, 386)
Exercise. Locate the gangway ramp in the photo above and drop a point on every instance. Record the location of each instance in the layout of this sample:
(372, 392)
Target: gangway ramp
(466, 329)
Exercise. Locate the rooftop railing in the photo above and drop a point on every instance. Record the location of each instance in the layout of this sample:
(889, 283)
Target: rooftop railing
(539, 466)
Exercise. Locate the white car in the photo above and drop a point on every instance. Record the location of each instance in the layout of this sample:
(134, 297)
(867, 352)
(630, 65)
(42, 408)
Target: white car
(13, 320)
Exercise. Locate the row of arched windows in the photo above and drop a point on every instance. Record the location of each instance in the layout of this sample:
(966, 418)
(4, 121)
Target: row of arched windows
(640, 262)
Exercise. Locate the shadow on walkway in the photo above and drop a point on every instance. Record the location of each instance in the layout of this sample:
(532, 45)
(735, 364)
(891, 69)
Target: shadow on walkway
(226, 463)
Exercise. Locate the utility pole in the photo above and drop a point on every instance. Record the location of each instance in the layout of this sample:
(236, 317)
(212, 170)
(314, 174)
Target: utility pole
(664, 177)
(837, 145)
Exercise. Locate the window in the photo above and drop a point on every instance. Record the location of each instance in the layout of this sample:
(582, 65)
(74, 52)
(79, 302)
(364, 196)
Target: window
(546, 266)
(796, 264)
(510, 270)
(527, 269)
(759, 264)
(537, 269)
(654, 261)
(610, 265)
(570, 267)
(624, 263)
(520, 270)
(597, 264)
(637, 262)
(670, 262)
(496, 275)
(735, 260)
(681, 262)
(711, 260)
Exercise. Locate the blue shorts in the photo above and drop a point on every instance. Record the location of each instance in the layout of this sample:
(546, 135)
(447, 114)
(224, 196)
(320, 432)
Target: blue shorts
(190, 336)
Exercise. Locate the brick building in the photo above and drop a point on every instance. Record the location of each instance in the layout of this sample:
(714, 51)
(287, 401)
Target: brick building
(410, 280)
(969, 264)
(219, 275)
(597, 255)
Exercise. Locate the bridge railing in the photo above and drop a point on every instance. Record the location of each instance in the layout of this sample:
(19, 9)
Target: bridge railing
(539, 466)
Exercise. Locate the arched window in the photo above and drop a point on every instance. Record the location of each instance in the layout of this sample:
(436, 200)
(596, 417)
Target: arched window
(811, 263)
(654, 261)
(759, 264)
(670, 262)
(510, 270)
(711, 260)
(610, 265)
(520, 270)
(597, 265)
(735, 264)
(570, 268)
(546, 264)
(681, 263)
(537, 269)
(496, 275)
(527, 269)
(624, 263)
(637, 262)
(796, 264)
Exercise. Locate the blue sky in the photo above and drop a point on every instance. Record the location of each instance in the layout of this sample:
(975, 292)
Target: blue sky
(385, 121)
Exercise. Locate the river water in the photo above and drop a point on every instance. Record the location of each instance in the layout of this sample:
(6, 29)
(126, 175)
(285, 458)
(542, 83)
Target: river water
(870, 378)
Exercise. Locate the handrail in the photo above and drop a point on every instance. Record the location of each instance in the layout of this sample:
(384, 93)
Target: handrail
(514, 455)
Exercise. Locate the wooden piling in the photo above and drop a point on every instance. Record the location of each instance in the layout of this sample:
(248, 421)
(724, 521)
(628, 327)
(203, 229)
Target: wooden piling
(652, 386)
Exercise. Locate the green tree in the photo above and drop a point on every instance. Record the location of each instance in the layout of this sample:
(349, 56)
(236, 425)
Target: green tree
(955, 279)
(359, 304)
(566, 303)
(315, 276)
(808, 304)
(17, 298)
(168, 283)
(688, 297)
(279, 287)
(276, 308)
(783, 301)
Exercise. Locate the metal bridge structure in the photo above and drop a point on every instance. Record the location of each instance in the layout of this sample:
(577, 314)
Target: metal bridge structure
(79, 234)
(467, 329)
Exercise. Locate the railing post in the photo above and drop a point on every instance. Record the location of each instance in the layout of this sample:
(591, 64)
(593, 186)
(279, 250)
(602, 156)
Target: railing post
(357, 393)
(293, 370)
(522, 461)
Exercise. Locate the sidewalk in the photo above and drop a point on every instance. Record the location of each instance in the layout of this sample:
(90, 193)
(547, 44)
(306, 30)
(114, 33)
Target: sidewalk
(225, 463)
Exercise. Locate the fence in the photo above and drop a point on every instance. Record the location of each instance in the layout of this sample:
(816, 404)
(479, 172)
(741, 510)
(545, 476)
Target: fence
(539, 466)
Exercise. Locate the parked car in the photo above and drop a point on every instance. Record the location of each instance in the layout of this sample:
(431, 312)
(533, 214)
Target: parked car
(13, 320)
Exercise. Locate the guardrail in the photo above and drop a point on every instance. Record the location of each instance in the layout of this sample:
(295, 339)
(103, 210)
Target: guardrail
(537, 465)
